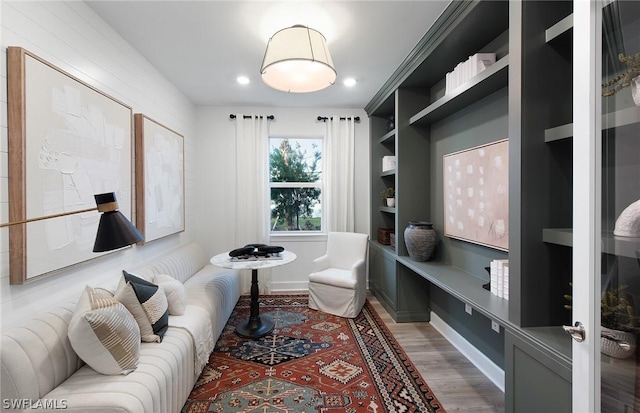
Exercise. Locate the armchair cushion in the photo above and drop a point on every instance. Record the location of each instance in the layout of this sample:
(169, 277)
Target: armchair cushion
(336, 277)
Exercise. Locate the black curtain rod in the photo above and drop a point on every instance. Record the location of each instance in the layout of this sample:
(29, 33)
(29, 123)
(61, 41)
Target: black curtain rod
(270, 117)
(324, 118)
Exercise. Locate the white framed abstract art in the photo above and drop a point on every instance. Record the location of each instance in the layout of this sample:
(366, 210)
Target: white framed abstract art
(159, 179)
(67, 142)
(476, 195)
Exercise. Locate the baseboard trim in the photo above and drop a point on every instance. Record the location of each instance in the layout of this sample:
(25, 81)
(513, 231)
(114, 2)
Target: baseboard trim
(475, 356)
(289, 287)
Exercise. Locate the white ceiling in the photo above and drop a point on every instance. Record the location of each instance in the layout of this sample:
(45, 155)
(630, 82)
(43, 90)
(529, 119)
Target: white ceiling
(202, 46)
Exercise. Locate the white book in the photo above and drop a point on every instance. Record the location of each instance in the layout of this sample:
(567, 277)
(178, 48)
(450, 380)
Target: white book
(447, 83)
(454, 77)
(474, 64)
(500, 281)
(494, 277)
(388, 163)
(500, 265)
(465, 71)
(505, 281)
(459, 74)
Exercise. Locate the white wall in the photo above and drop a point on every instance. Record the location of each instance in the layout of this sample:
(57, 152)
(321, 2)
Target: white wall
(71, 37)
(216, 199)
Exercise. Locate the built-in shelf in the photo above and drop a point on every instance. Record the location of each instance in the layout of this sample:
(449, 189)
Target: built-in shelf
(390, 172)
(384, 247)
(388, 138)
(468, 289)
(622, 246)
(558, 133)
(464, 286)
(560, 31)
(390, 210)
(558, 236)
(611, 244)
(494, 78)
(621, 117)
(615, 119)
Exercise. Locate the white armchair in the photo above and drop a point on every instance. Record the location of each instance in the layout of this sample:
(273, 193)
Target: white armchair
(338, 283)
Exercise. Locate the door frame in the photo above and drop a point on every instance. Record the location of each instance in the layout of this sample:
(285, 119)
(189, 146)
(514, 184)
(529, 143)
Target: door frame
(587, 164)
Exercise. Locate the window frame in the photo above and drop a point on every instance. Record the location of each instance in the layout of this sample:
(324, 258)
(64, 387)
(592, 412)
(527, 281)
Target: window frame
(301, 235)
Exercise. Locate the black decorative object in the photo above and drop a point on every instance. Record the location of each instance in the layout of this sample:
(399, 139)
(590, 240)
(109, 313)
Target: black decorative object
(270, 249)
(487, 286)
(391, 123)
(255, 251)
(238, 252)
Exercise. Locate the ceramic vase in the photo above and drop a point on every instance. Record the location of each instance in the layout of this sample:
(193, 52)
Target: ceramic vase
(420, 239)
(391, 202)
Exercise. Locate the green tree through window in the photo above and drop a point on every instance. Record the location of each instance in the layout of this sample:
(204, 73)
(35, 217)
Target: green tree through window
(295, 171)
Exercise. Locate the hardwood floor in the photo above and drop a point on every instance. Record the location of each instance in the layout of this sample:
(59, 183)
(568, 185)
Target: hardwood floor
(456, 382)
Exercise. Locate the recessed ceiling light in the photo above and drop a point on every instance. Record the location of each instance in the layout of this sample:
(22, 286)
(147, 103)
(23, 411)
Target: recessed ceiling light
(349, 82)
(243, 80)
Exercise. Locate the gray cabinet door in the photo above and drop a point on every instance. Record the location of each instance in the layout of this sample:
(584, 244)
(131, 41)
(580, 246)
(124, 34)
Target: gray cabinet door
(536, 380)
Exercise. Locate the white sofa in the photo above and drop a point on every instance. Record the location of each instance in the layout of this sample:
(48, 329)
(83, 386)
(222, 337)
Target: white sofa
(38, 366)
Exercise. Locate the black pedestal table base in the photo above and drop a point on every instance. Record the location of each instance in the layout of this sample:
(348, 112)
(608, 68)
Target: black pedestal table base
(255, 326)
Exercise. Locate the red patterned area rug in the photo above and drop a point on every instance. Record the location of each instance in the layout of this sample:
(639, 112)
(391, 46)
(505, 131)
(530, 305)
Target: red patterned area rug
(311, 362)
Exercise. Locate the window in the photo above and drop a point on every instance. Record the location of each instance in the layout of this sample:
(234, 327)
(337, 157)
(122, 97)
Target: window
(295, 172)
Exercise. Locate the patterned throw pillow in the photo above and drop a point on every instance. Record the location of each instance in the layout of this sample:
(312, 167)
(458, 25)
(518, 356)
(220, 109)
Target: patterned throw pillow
(148, 304)
(104, 334)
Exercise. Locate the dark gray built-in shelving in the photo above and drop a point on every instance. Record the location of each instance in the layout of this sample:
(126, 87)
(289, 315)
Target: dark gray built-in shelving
(615, 119)
(518, 98)
(388, 138)
(388, 210)
(611, 244)
(494, 78)
(463, 286)
(560, 31)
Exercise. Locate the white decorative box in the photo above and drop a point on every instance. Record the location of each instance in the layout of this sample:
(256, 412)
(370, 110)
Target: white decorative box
(388, 163)
(464, 71)
(480, 61)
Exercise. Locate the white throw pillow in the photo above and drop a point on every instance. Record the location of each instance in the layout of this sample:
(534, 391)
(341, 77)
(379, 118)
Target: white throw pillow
(176, 294)
(104, 334)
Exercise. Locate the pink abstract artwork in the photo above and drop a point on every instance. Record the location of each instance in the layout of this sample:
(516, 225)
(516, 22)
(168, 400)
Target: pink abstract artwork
(476, 195)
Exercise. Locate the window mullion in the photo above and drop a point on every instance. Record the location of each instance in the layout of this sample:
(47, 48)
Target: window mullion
(317, 184)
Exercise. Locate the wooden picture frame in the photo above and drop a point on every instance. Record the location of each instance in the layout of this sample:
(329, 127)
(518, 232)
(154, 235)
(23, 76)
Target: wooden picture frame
(159, 179)
(67, 142)
(476, 195)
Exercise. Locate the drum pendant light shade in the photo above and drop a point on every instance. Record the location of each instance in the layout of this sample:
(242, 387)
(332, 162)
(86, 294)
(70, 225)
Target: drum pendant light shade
(297, 60)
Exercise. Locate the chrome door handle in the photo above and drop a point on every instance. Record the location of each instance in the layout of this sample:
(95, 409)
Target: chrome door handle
(576, 331)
